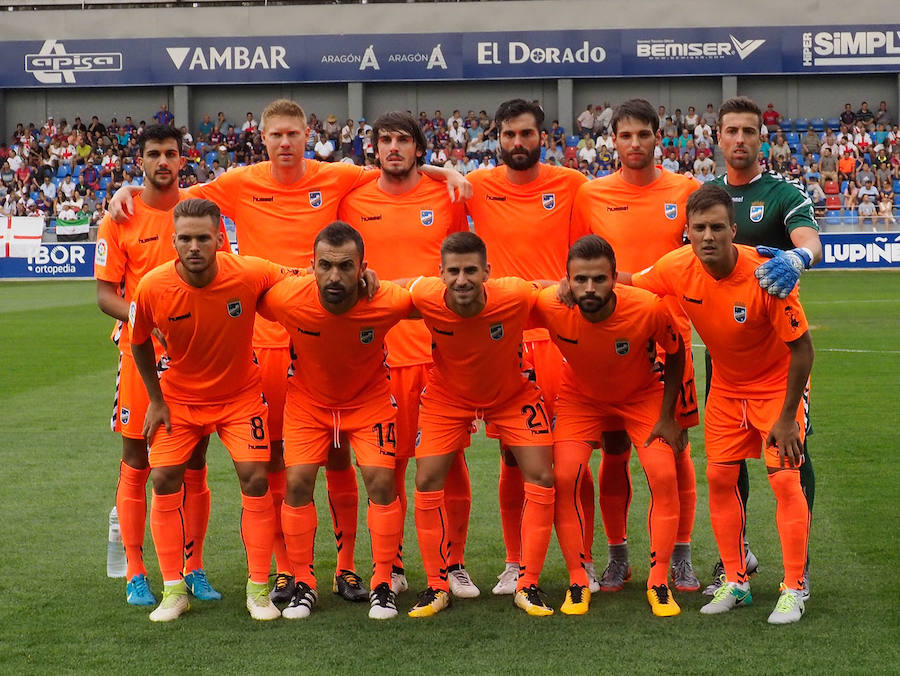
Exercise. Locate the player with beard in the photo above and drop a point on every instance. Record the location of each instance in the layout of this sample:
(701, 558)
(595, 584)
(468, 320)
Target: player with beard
(522, 210)
(770, 211)
(640, 211)
(403, 217)
(126, 251)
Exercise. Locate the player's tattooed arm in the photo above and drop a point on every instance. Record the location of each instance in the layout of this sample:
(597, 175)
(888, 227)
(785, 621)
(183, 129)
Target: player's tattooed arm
(666, 427)
(785, 433)
(157, 410)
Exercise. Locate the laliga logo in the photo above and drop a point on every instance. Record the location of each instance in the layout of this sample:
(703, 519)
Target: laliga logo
(53, 65)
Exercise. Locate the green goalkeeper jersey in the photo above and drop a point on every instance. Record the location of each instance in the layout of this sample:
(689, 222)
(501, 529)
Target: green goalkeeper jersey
(768, 209)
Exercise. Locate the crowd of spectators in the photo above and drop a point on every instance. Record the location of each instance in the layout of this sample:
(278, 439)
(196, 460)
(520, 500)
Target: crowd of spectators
(851, 162)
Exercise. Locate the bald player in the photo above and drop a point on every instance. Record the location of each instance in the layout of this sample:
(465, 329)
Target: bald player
(278, 207)
(522, 210)
(403, 217)
(640, 211)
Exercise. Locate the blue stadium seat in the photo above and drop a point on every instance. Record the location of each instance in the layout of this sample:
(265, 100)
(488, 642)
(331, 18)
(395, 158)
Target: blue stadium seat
(100, 194)
(104, 182)
(851, 217)
(832, 218)
(52, 226)
(78, 169)
(844, 185)
(814, 157)
(896, 185)
(786, 124)
(56, 180)
(209, 157)
(543, 153)
(309, 154)
(818, 124)
(571, 141)
(63, 171)
(792, 137)
(35, 195)
(428, 153)
(833, 123)
(897, 199)
(867, 158)
(138, 180)
(801, 124)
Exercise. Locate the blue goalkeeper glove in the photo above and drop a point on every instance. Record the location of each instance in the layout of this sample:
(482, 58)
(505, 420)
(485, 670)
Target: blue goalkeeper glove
(780, 273)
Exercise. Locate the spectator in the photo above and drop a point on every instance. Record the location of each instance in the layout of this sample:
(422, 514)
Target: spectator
(347, 133)
(78, 125)
(847, 116)
(691, 120)
(67, 188)
(604, 118)
(557, 133)
(771, 117)
(331, 129)
(205, 127)
(250, 125)
(817, 195)
(867, 210)
(886, 209)
(605, 140)
(232, 140)
(588, 153)
(81, 187)
(555, 153)
(670, 160)
(779, 154)
(458, 134)
(811, 142)
(704, 175)
(865, 173)
(882, 116)
(704, 161)
(163, 116)
(883, 178)
(475, 148)
(83, 150)
(868, 189)
(678, 121)
(710, 118)
(847, 167)
(222, 122)
(585, 121)
(865, 117)
(324, 149)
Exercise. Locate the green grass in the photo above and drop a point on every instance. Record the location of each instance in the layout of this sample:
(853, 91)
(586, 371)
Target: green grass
(59, 612)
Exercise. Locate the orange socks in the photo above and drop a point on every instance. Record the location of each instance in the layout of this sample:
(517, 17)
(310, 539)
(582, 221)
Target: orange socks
(537, 523)
(614, 484)
(458, 500)
(792, 518)
(343, 501)
(687, 495)
(570, 462)
(726, 512)
(196, 517)
(277, 489)
(400, 486)
(511, 491)
(385, 529)
(131, 504)
(587, 504)
(662, 514)
(299, 524)
(257, 532)
(167, 528)
(432, 530)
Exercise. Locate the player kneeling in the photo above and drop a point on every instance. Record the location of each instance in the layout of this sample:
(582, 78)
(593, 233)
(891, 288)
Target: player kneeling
(762, 355)
(611, 382)
(204, 305)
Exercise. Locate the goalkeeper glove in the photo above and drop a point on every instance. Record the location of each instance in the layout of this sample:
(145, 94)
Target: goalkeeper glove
(780, 273)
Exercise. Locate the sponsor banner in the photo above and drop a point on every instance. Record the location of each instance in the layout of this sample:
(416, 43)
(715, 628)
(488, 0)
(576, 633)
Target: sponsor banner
(861, 250)
(647, 52)
(73, 260)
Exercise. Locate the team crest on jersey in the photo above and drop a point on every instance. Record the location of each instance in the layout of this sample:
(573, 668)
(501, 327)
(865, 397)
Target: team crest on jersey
(234, 307)
(315, 198)
(366, 336)
(622, 347)
(757, 209)
(548, 199)
(740, 313)
(496, 331)
(132, 311)
(101, 252)
(125, 416)
(427, 217)
(671, 211)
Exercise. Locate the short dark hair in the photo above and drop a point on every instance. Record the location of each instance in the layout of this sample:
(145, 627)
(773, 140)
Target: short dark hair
(338, 233)
(591, 247)
(709, 195)
(403, 122)
(464, 243)
(515, 107)
(198, 208)
(159, 132)
(740, 104)
(636, 109)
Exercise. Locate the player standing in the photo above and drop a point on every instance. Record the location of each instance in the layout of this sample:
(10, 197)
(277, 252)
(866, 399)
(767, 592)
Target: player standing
(522, 210)
(339, 387)
(640, 211)
(403, 217)
(204, 305)
(611, 381)
(126, 251)
(770, 211)
(762, 355)
(476, 327)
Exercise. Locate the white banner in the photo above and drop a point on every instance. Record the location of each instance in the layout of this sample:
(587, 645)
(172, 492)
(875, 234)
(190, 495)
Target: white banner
(20, 236)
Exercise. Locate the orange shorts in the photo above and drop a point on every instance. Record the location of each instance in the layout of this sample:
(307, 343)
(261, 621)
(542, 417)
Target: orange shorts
(547, 361)
(240, 424)
(407, 383)
(310, 430)
(131, 401)
(736, 429)
(445, 426)
(274, 363)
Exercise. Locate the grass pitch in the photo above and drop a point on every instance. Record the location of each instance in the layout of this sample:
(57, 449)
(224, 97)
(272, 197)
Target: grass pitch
(59, 612)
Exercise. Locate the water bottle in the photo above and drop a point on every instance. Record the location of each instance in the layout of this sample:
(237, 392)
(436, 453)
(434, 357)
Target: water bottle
(116, 565)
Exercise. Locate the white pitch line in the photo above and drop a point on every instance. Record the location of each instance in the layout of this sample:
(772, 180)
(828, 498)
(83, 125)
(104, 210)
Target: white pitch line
(848, 300)
(832, 349)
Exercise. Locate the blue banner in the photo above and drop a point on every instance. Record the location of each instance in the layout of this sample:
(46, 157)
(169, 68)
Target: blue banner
(652, 52)
(861, 250)
(53, 261)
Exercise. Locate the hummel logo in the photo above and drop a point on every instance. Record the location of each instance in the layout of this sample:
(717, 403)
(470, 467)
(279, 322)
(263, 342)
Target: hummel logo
(496, 198)
(746, 47)
(443, 333)
(370, 218)
(623, 208)
(178, 318)
(264, 199)
(696, 301)
(145, 240)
